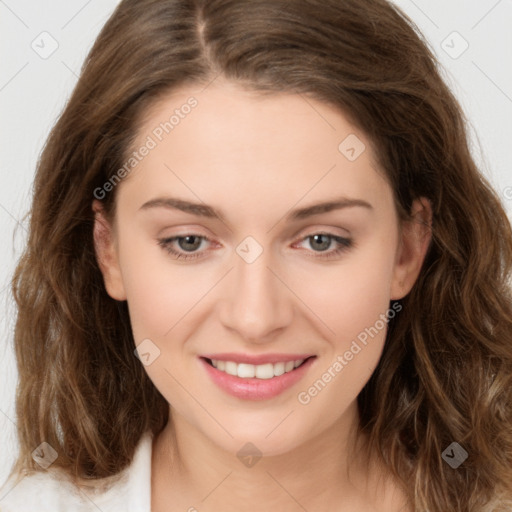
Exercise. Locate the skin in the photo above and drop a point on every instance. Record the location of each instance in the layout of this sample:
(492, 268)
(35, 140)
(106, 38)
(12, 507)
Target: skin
(255, 159)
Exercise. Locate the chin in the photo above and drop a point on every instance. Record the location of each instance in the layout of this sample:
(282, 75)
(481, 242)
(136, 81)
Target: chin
(272, 439)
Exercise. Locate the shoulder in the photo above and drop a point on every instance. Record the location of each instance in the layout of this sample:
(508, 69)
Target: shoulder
(47, 491)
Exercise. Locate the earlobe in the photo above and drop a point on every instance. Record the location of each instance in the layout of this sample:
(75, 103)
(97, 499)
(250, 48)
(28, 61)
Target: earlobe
(416, 235)
(106, 253)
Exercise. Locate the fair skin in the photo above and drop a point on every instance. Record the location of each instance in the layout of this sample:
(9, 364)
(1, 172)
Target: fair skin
(257, 159)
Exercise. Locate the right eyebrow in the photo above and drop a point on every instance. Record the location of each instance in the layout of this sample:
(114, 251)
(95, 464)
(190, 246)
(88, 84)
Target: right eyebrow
(199, 209)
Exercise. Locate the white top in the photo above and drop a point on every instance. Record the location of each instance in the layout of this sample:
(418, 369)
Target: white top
(44, 491)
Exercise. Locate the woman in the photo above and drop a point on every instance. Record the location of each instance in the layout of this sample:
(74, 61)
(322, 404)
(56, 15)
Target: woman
(263, 272)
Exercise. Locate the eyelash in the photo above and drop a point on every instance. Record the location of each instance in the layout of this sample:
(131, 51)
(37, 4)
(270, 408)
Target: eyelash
(343, 245)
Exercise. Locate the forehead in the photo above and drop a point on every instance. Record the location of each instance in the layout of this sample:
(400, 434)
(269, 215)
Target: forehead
(238, 146)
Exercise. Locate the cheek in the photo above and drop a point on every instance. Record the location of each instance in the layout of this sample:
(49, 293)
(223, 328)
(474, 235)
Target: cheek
(352, 302)
(364, 295)
(159, 292)
(352, 294)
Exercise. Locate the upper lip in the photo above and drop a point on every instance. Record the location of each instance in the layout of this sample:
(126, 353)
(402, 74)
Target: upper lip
(256, 359)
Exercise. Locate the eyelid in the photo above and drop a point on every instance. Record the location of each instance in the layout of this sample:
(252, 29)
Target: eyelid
(166, 244)
(344, 244)
(319, 229)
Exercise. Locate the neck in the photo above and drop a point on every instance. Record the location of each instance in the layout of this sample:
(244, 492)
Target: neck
(192, 473)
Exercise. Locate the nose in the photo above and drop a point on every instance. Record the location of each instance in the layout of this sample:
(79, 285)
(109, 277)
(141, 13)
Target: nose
(257, 305)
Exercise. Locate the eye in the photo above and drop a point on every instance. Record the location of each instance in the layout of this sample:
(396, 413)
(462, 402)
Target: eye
(187, 247)
(184, 247)
(320, 243)
(189, 243)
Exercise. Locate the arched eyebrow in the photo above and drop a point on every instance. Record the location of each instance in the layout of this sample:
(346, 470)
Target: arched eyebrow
(199, 209)
(204, 210)
(324, 207)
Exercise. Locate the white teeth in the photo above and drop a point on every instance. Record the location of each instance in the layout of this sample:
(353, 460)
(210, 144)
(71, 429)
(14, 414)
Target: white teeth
(260, 371)
(264, 371)
(289, 366)
(231, 368)
(246, 371)
(278, 369)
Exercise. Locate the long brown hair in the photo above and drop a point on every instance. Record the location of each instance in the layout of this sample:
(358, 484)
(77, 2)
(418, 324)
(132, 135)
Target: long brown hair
(446, 371)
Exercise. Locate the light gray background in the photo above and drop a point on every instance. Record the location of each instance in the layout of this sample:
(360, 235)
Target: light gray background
(33, 91)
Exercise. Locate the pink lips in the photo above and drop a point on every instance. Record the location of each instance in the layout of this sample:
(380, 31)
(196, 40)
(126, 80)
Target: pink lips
(253, 388)
(261, 359)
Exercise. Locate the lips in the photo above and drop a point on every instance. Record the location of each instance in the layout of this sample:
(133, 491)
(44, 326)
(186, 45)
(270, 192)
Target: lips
(256, 359)
(256, 377)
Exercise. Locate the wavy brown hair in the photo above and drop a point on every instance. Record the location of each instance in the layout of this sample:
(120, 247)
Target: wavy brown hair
(446, 368)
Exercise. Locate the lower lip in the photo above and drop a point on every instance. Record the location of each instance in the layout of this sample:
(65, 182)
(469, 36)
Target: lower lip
(256, 389)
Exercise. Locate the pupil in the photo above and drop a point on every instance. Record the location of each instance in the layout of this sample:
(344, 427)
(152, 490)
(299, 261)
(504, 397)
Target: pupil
(189, 243)
(322, 242)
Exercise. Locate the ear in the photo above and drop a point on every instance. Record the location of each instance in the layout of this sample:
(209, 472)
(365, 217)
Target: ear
(106, 253)
(415, 237)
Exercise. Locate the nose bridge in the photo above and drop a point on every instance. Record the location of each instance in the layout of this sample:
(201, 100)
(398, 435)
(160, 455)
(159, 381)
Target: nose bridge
(256, 303)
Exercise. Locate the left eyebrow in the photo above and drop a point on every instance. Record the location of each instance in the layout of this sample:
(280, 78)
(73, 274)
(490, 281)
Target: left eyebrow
(325, 207)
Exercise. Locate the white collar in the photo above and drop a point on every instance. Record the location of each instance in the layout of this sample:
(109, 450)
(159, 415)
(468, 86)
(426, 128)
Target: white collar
(46, 492)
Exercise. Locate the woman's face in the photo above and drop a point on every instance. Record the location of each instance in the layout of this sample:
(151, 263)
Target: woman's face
(256, 230)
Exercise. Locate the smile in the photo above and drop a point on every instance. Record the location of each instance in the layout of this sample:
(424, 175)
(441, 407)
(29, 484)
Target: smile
(259, 371)
(262, 381)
